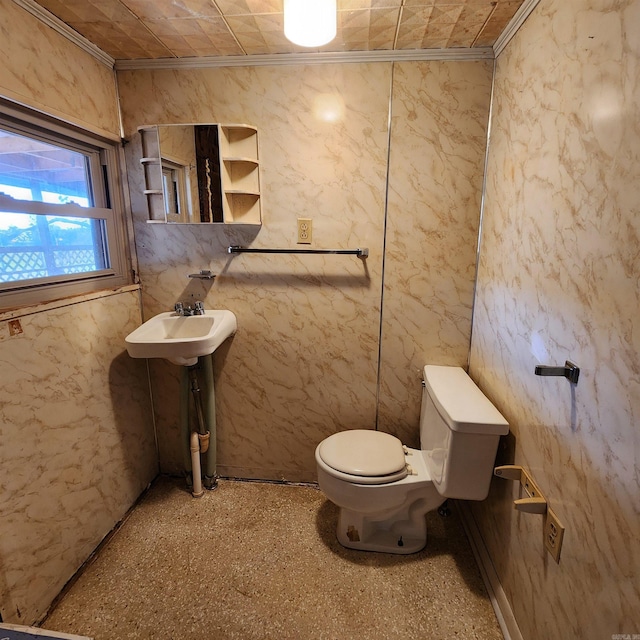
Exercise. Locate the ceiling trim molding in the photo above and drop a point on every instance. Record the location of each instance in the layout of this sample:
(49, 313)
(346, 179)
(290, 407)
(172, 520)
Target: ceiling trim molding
(65, 30)
(337, 57)
(514, 25)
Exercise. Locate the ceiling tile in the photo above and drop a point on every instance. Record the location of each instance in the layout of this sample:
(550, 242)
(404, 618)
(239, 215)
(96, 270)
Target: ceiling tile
(249, 7)
(419, 3)
(195, 36)
(124, 40)
(87, 11)
(366, 29)
(496, 23)
(159, 9)
(257, 23)
(413, 26)
(190, 27)
(445, 14)
(476, 13)
(352, 5)
(464, 33)
(262, 34)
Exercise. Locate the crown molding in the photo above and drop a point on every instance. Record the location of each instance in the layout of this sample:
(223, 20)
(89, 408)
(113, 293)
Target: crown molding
(323, 57)
(514, 25)
(338, 57)
(65, 30)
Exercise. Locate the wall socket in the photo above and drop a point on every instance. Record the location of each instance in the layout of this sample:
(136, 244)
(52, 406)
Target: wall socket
(305, 229)
(553, 534)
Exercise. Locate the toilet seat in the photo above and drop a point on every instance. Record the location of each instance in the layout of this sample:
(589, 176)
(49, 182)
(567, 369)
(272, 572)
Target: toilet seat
(363, 456)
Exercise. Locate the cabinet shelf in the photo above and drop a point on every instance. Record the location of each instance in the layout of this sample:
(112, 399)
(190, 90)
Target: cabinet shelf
(240, 174)
(240, 159)
(244, 208)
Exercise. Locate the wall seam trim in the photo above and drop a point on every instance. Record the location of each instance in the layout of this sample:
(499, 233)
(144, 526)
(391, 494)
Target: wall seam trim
(384, 243)
(481, 221)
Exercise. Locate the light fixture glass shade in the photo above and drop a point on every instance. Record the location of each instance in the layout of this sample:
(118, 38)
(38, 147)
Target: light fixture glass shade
(310, 23)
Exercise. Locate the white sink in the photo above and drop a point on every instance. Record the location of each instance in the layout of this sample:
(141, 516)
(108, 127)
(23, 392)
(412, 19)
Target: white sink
(181, 339)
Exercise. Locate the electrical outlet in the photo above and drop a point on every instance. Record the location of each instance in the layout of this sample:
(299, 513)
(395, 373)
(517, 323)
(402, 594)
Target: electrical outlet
(305, 228)
(529, 486)
(553, 535)
(15, 328)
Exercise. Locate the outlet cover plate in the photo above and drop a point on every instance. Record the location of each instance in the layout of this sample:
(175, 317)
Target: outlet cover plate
(305, 230)
(553, 534)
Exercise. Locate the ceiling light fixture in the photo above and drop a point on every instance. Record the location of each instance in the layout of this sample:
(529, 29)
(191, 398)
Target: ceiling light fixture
(310, 23)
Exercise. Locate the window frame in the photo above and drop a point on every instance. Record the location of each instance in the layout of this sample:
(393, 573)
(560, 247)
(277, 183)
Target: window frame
(106, 183)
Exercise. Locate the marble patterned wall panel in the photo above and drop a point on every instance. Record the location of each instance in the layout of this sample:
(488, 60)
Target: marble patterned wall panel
(303, 363)
(75, 416)
(77, 444)
(559, 280)
(44, 70)
(438, 141)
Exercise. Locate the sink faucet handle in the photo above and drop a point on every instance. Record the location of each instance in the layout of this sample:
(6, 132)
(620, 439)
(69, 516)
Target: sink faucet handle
(179, 308)
(198, 308)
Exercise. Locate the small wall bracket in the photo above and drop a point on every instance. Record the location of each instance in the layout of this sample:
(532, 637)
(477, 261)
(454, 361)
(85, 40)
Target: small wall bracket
(570, 371)
(534, 502)
(204, 274)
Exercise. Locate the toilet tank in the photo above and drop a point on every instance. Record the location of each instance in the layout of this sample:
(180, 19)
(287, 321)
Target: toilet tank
(459, 433)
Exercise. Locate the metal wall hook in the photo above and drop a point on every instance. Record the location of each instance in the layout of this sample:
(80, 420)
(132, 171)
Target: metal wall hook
(205, 274)
(570, 371)
(534, 501)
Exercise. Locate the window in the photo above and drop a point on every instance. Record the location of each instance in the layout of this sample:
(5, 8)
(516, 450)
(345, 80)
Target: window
(174, 189)
(61, 226)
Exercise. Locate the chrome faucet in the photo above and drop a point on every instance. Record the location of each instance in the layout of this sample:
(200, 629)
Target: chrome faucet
(182, 310)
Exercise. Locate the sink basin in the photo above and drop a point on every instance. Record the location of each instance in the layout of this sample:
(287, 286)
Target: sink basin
(181, 339)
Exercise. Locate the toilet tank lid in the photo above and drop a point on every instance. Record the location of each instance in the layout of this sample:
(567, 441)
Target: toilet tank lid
(461, 404)
(363, 452)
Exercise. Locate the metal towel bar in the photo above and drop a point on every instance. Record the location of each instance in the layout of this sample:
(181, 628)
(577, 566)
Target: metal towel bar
(361, 253)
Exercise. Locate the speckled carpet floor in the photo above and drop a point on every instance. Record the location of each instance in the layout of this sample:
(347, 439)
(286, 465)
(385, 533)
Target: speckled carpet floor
(260, 561)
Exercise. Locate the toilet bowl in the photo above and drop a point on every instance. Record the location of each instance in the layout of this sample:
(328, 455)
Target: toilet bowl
(384, 489)
(378, 512)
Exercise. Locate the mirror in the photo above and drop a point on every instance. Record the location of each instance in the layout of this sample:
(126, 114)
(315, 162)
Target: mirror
(202, 173)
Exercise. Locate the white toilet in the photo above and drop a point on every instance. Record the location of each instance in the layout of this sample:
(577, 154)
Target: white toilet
(384, 489)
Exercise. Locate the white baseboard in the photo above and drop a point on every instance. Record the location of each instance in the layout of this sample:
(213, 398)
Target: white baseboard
(501, 605)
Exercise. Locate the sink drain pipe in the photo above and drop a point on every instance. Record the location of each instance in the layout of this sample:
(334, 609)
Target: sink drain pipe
(199, 440)
(210, 474)
(194, 444)
(202, 441)
(185, 430)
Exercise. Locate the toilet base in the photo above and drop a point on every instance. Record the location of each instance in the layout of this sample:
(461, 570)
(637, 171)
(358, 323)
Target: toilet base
(395, 534)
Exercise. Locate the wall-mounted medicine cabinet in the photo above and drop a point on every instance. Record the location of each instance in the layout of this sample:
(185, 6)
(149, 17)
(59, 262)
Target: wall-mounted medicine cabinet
(202, 173)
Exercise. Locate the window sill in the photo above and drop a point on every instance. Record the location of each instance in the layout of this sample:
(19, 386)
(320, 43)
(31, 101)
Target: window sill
(65, 302)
